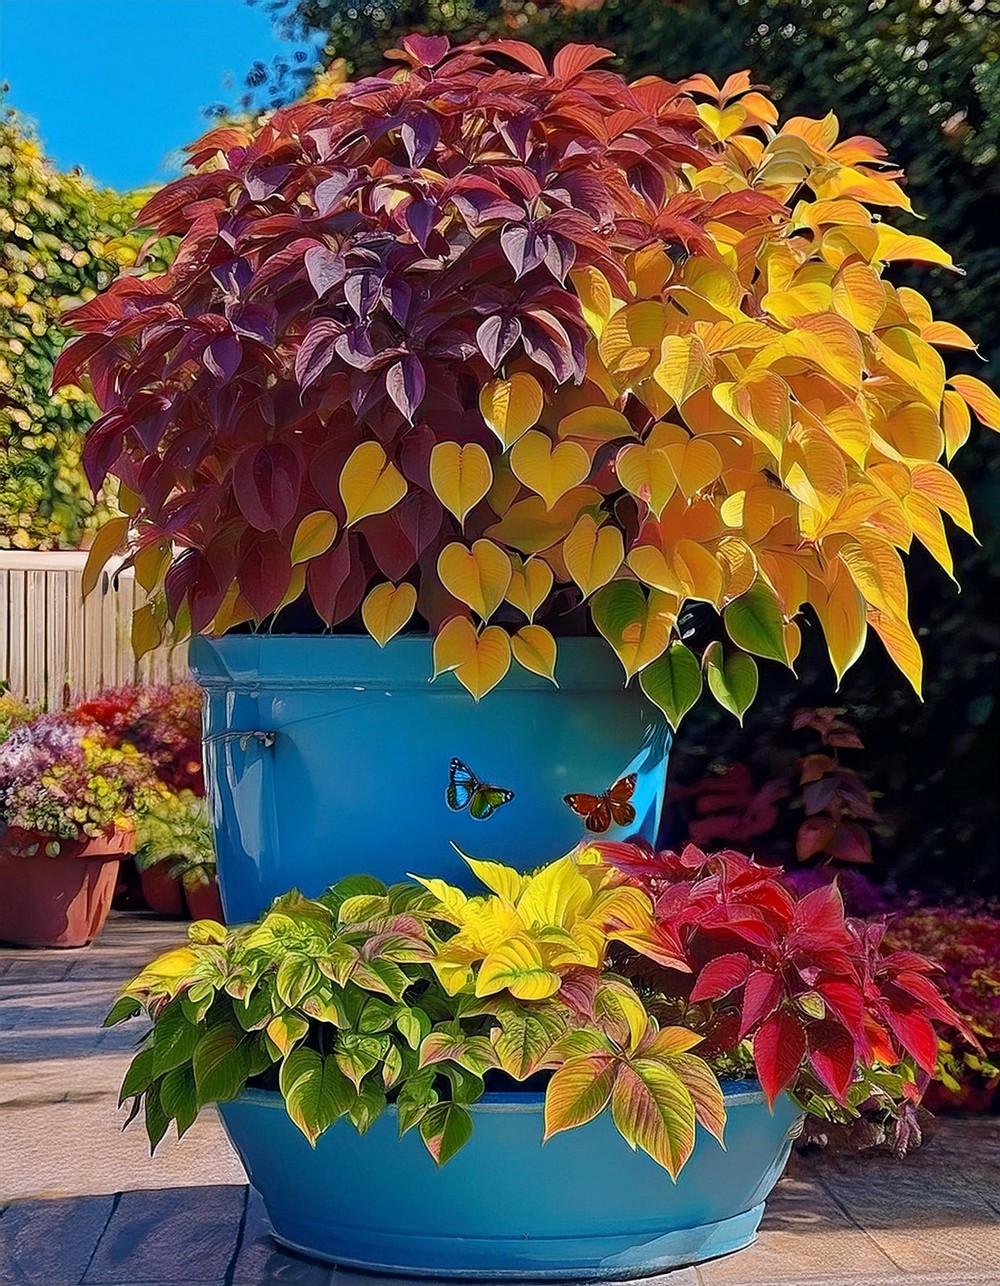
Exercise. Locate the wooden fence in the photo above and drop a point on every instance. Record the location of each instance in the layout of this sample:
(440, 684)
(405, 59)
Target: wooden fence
(55, 646)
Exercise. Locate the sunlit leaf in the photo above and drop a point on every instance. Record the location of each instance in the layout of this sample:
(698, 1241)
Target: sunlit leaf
(387, 609)
(510, 407)
(370, 483)
(460, 475)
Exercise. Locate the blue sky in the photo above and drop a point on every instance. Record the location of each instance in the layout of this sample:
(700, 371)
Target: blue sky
(117, 86)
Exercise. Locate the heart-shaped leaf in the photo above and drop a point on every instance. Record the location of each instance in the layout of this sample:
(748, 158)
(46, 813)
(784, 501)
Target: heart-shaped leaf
(387, 609)
(530, 585)
(637, 627)
(460, 475)
(535, 648)
(511, 407)
(478, 661)
(592, 554)
(313, 536)
(478, 577)
(550, 471)
(673, 682)
(732, 680)
(370, 483)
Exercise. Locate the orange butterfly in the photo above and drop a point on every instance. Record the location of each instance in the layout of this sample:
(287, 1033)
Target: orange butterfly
(599, 811)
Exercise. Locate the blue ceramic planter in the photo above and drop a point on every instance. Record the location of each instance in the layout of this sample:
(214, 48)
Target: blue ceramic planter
(348, 768)
(583, 1205)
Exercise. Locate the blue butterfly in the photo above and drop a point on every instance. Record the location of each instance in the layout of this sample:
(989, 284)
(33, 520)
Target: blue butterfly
(465, 790)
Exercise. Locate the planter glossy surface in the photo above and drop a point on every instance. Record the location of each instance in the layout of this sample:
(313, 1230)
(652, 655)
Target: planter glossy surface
(328, 756)
(58, 901)
(203, 901)
(583, 1205)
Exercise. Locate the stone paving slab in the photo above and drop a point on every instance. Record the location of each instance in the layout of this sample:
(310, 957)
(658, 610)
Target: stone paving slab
(82, 1204)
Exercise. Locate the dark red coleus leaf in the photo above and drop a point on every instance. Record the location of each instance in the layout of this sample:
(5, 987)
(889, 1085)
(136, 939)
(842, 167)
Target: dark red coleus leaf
(721, 975)
(833, 1057)
(268, 482)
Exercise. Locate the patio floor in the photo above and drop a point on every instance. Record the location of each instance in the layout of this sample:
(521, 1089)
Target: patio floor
(82, 1204)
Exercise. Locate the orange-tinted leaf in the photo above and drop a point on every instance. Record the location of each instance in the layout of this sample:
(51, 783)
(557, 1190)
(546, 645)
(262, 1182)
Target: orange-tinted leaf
(535, 648)
(108, 541)
(980, 397)
(529, 527)
(530, 585)
(901, 645)
(478, 661)
(550, 471)
(955, 421)
(592, 554)
(637, 627)
(313, 536)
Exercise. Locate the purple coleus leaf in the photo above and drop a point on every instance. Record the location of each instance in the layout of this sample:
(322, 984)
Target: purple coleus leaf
(325, 269)
(426, 51)
(420, 137)
(316, 351)
(332, 191)
(420, 216)
(406, 384)
(480, 201)
(254, 321)
(222, 358)
(523, 247)
(496, 336)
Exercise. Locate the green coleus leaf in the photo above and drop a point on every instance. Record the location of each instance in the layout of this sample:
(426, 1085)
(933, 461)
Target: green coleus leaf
(221, 1062)
(367, 1107)
(179, 1098)
(673, 682)
(526, 1035)
(381, 975)
(257, 1011)
(139, 1076)
(124, 1007)
(445, 1129)
(315, 1090)
(732, 680)
(754, 622)
(415, 1096)
(376, 1016)
(351, 886)
(157, 1120)
(174, 1038)
(356, 1054)
(413, 1025)
(297, 976)
(286, 1030)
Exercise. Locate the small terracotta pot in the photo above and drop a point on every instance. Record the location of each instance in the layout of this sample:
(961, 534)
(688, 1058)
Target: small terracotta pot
(58, 901)
(204, 902)
(161, 891)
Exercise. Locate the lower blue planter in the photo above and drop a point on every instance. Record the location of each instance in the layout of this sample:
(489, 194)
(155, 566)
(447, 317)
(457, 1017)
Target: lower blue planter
(583, 1205)
(328, 756)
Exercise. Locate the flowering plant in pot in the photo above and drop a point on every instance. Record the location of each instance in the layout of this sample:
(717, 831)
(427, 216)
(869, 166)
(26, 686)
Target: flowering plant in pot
(499, 351)
(162, 721)
(67, 811)
(608, 1002)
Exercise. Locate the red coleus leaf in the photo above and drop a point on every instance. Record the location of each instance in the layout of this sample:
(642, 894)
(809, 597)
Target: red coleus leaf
(721, 976)
(268, 482)
(844, 999)
(916, 1034)
(815, 835)
(778, 1049)
(762, 994)
(833, 1057)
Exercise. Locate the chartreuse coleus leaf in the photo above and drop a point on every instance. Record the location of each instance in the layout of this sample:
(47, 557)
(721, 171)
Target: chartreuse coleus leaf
(732, 679)
(755, 623)
(315, 1090)
(445, 1128)
(673, 682)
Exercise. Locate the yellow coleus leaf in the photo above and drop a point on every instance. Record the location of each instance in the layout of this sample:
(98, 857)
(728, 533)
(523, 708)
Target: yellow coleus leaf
(595, 424)
(370, 483)
(738, 563)
(917, 366)
(630, 339)
(894, 245)
(945, 335)
(478, 661)
(597, 301)
(147, 632)
(915, 431)
(902, 646)
(832, 344)
(530, 527)
(550, 471)
(797, 301)
(955, 421)
(592, 554)
(859, 295)
(761, 405)
(313, 536)
(684, 367)
(934, 481)
(460, 475)
(511, 407)
(722, 122)
(387, 609)
(925, 518)
(877, 570)
(699, 573)
(650, 564)
(980, 397)
(516, 966)
(645, 470)
(108, 541)
(841, 611)
(530, 585)
(478, 577)
(535, 649)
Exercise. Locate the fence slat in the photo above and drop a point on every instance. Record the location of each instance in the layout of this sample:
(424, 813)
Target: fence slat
(54, 646)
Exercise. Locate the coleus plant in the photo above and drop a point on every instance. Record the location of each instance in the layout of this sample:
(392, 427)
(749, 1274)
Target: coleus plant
(413, 995)
(820, 1003)
(480, 340)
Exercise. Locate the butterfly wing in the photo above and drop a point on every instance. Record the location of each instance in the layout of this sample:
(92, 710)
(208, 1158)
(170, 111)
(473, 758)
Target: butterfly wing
(592, 808)
(462, 786)
(619, 800)
(487, 799)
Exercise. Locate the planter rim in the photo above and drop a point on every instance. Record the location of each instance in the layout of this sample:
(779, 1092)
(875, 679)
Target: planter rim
(111, 847)
(736, 1093)
(249, 662)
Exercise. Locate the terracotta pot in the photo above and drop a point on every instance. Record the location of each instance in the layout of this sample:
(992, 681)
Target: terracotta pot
(161, 891)
(58, 901)
(204, 902)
